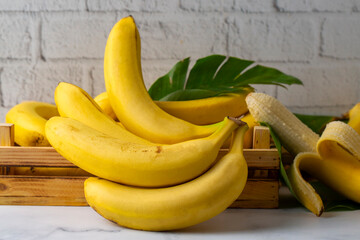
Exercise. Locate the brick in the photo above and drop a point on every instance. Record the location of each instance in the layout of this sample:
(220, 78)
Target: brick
(340, 37)
(254, 6)
(132, 5)
(317, 5)
(73, 36)
(42, 5)
(180, 37)
(19, 83)
(3, 112)
(15, 40)
(329, 86)
(206, 5)
(272, 38)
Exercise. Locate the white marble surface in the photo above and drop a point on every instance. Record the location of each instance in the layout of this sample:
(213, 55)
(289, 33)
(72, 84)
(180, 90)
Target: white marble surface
(288, 222)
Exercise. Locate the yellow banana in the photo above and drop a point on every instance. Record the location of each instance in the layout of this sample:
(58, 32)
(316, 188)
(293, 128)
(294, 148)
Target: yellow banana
(74, 102)
(200, 111)
(103, 101)
(176, 207)
(128, 95)
(354, 117)
(333, 158)
(132, 163)
(29, 120)
(336, 164)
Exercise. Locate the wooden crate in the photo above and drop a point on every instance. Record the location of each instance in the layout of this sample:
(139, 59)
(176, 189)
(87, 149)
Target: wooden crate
(34, 186)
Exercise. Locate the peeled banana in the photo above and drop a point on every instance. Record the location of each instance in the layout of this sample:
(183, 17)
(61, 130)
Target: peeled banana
(76, 103)
(29, 118)
(133, 163)
(128, 95)
(354, 117)
(200, 111)
(180, 206)
(294, 135)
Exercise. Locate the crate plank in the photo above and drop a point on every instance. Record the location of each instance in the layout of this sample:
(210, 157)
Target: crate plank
(45, 191)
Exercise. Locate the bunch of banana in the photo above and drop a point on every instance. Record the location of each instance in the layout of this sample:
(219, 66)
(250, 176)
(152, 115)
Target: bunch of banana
(163, 179)
(333, 158)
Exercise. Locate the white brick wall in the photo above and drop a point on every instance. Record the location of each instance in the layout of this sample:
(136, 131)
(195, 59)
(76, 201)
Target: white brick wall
(43, 42)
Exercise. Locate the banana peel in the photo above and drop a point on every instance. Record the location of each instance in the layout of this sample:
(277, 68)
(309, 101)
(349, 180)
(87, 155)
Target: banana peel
(336, 163)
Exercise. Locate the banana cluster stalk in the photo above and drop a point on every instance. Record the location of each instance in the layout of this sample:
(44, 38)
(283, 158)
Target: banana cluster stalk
(333, 158)
(170, 208)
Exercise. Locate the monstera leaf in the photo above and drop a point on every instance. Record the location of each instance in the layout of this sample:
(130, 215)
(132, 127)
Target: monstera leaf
(214, 75)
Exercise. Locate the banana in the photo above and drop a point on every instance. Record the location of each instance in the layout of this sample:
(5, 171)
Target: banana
(354, 117)
(176, 207)
(103, 101)
(29, 120)
(336, 164)
(200, 111)
(128, 95)
(76, 103)
(133, 163)
(294, 135)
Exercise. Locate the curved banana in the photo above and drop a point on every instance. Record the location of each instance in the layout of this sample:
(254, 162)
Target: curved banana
(128, 95)
(180, 206)
(131, 163)
(74, 102)
(29, 120)
(354, 117)
(200, 111)
(336, 164)
(103, 101)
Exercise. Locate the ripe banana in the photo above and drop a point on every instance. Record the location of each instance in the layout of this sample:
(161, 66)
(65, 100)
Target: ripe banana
(176, 207)
(336, 164)
(354, 117)
(133, 163)
(128, 95)
(293, 134)
(29, 120)
(333, 158)
(74, 102)
(200, 111)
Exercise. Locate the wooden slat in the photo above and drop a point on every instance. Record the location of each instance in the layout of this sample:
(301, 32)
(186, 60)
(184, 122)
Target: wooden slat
(6, 134)
(47, 156)
(258, 194)
(261, 137)
(45, 191)
(32, 156)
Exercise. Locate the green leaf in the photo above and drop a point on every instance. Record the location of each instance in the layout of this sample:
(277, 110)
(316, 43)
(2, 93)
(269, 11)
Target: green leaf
(278, 146)
(188, 94)
(315, 123)
(171, 82)
(214, 75)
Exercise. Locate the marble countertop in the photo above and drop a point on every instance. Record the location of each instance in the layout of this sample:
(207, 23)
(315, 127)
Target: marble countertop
(290, 221)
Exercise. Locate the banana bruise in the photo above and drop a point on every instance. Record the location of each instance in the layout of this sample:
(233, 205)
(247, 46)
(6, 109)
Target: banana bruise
(133, 163)
(29, 118)
(199, 111)
(128, 95)
(74, 102)
(176, 207)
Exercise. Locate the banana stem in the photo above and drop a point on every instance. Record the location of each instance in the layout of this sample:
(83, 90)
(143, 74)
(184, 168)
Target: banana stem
(238, 138)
